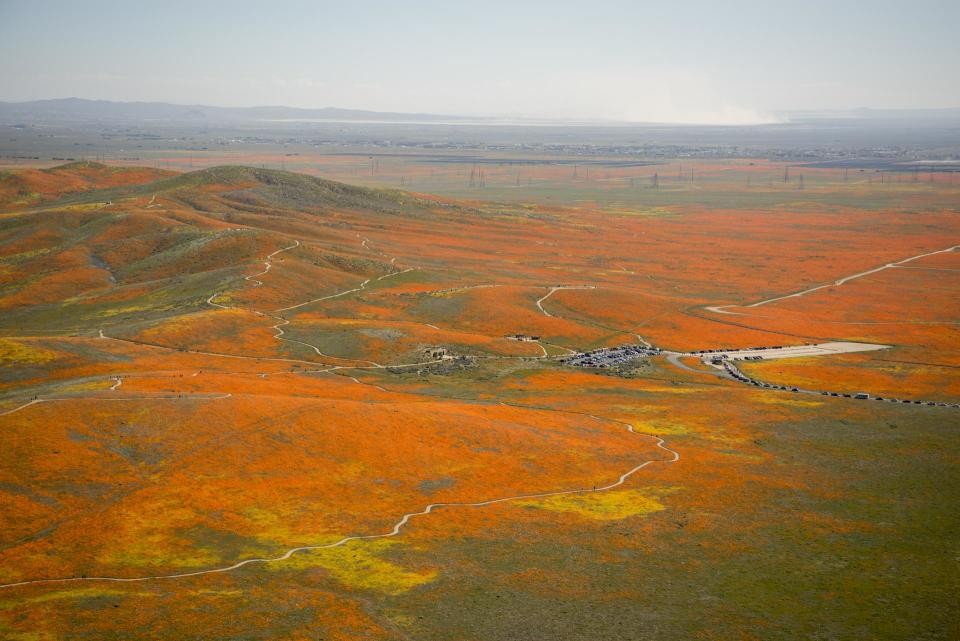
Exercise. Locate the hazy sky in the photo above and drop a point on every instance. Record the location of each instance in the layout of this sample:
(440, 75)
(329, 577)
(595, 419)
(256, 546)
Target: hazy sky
(691, 61)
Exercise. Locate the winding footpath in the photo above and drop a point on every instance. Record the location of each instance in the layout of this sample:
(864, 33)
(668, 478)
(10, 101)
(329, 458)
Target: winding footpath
(394, 531)
(267, 264)
(362, 286)
(37, 401)
(554, 290)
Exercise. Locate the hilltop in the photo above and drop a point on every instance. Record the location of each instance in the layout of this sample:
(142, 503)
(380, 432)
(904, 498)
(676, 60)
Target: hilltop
(30, 186)
(225, 188)
(257, 187)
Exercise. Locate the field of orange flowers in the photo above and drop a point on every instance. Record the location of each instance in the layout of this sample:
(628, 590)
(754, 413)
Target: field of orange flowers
(248, 404)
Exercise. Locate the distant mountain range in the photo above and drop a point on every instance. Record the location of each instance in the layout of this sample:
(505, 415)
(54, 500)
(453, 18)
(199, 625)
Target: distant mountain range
(83, 110)
(79, 109)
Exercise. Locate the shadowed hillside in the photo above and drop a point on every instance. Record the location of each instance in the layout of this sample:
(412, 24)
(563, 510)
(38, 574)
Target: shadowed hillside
(225, 188)
(129, 243)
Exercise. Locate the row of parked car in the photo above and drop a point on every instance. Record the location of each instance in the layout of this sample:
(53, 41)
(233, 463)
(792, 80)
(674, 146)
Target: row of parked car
(733, 371)
(717, 360)
(864, 395)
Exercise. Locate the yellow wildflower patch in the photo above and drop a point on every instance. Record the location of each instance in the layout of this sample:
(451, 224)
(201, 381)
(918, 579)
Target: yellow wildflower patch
(88, 386)
(604, 506)
(76, 593)
(12, 351)
(359, 565)
(777, 399)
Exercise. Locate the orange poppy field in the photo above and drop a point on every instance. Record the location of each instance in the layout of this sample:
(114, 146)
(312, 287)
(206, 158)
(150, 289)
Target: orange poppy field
(242, 403)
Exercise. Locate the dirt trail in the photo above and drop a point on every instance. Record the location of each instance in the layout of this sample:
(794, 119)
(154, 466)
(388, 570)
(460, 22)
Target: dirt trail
(168, 397)
(394, 531)
(722, 309)
(555, 289)
(267, 264)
